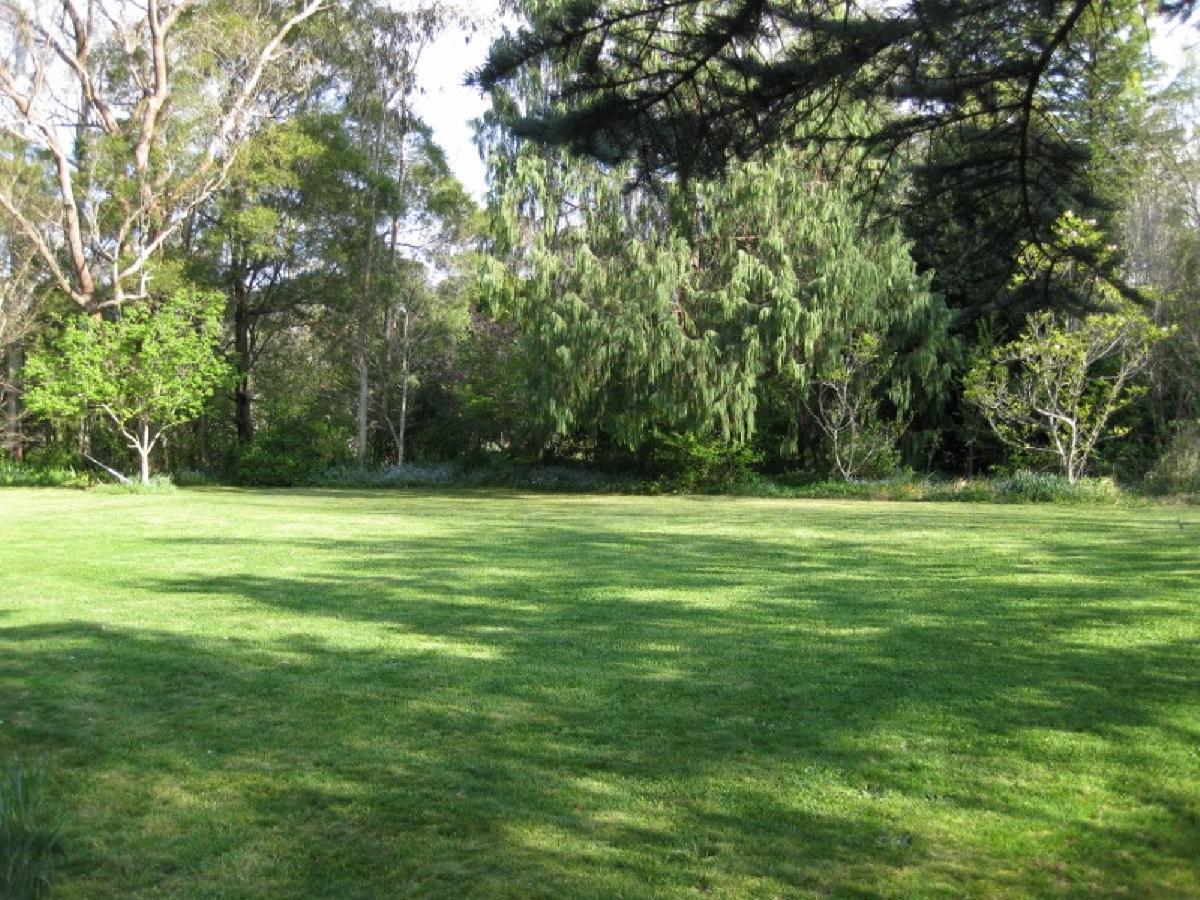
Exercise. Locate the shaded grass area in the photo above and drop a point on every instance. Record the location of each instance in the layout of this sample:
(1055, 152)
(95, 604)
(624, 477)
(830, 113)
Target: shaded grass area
(357, 694)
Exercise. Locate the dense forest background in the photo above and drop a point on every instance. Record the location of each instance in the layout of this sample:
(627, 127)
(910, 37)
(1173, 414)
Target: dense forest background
(833, 239)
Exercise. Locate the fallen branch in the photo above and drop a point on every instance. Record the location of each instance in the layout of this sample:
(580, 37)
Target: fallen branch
(113, 472)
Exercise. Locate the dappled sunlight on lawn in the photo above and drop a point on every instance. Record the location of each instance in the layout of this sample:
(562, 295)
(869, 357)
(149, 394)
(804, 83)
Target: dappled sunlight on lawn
(375, 694)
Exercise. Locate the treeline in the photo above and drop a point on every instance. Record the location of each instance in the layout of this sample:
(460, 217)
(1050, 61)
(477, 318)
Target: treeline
(712, 243)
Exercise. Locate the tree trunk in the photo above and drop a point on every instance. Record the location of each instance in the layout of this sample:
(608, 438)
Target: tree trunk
(364, 395)
(243, 400)
(386, 365)
(143, 449)
(362, 331)
(404, 363)
(389, 338)
(13, 445)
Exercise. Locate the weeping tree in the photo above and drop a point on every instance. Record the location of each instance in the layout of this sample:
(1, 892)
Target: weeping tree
(672, 310)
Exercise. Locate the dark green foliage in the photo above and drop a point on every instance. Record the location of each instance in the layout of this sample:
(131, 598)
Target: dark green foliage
(1178, 469)
(687, 461)
(19, 474)
(291, 453)
(29, 837)
(684, 87)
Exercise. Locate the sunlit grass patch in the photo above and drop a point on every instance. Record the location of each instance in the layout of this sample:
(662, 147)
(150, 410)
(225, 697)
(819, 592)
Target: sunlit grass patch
(446, 694)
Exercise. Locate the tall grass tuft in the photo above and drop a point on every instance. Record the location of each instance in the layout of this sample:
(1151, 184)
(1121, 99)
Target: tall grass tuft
(16, 474)
(29, 838)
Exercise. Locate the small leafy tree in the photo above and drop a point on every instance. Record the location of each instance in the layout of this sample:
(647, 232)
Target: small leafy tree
(845, 403)
(1054, 389)
(146, 371)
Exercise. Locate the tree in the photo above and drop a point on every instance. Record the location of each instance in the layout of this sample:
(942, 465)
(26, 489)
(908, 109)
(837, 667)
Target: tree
(421, 329)
(410, 206)
(1054, 390)
(642, 312)
(19, 277)
(1162, 248)
(682, 87)
(274, 232)
(139, 110)
(149, 370)
(845, 403)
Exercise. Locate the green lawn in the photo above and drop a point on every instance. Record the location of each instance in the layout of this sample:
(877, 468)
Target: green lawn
(384, 694)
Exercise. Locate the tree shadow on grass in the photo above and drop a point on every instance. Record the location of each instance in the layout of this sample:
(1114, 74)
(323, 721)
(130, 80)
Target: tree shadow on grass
(557, 711)
(362, 775)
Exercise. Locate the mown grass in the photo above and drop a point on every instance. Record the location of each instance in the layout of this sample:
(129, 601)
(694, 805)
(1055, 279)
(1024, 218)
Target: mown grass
(448, 694)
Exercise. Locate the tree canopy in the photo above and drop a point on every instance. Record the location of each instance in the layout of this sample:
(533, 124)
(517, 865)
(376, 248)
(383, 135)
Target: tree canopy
(682, 87)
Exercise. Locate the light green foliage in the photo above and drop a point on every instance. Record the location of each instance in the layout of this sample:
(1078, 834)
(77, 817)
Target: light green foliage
(1053, 390)
(1073, 260)
(845, 402)
(149, 370)
(642, 312)
(441, 694)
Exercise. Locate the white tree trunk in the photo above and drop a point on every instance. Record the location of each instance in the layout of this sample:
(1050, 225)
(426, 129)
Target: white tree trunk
(403, 393)
(143, 447)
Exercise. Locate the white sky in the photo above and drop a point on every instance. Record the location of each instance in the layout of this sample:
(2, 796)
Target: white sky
(449, 106)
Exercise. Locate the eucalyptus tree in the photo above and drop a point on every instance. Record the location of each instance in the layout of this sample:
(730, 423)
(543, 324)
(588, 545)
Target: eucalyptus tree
(423, 328)
(411, 206)
(1162, 247)
(20, 287)
(273, 237)
(139, 110)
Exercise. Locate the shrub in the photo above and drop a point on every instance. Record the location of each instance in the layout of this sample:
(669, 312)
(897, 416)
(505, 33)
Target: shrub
(1042, 487)
(491, 473)
(961, 491)
(157, 484)
(194, 478)
(688, 462)
(290, 454)
(1024, 487)
(408, 475)
(16, 474)
(28, 838)
(1178, 469)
